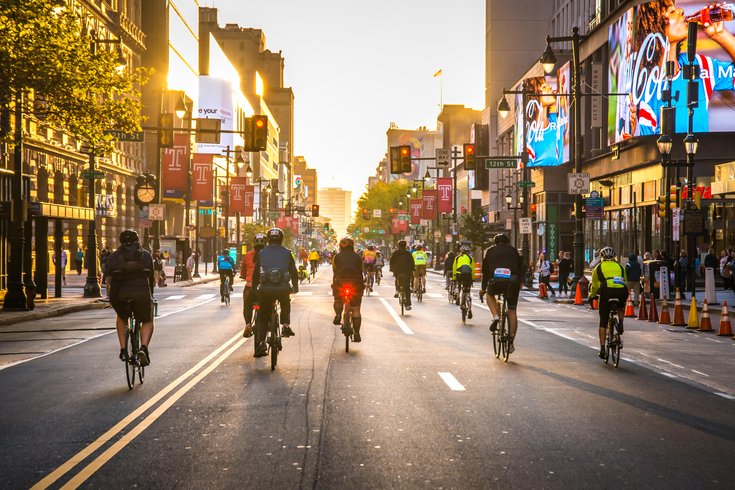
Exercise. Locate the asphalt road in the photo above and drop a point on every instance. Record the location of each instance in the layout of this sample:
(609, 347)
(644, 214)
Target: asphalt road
(421, 402)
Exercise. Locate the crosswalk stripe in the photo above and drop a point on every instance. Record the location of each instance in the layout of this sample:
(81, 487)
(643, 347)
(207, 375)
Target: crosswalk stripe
(205, 296)
(236, 295)
(304, 293)
(434, 295)
(176, 296)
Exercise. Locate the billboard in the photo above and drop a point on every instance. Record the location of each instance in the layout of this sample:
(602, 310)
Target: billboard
(546, 118)
(640, 42)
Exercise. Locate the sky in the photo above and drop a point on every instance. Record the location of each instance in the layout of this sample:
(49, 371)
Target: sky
(355, 66)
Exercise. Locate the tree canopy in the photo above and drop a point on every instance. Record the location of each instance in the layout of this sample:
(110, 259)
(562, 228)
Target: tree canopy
(383, 196)
(48, 51)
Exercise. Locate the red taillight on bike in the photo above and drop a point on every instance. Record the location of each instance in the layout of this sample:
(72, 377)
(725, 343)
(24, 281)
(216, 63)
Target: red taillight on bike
(256, 307)
(347, 292)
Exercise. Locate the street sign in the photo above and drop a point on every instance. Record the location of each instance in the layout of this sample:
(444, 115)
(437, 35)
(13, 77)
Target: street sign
(693, 222)
(500, 163)
(94, 174)
(595, 207)
(155, 212)
(675, 223)
(377, 213)
(443, 156)
(274, 214)
(526, 183)
(119, 135)
(207, 232)
(366, 229)
(526, 226)
(579, 183)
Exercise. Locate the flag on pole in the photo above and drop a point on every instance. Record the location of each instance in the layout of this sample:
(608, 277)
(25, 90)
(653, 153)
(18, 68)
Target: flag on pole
(438, 73)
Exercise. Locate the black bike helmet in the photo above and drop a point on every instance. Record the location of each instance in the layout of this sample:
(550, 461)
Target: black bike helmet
(402, 244)
(501, 238)
(259, 241)
(346, 242)
(275, 235)
(129, 236)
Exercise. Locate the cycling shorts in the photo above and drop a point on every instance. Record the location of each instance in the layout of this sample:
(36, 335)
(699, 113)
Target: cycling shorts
(420, 270)
(369, 266)
(621, 294)
(141, 305)
(510, 287)
(464, 279)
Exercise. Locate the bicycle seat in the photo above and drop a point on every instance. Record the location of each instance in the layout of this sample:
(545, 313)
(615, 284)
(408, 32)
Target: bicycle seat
(613, 301)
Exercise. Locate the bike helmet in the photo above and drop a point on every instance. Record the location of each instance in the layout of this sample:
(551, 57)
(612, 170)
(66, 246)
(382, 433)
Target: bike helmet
(607, 253)
(371, 247)
(259, 241)
(346, 242)
(464, 249)
(129, 236)
(419, 247)
(402, 244)
(225, 251)
(275, 235)
(501, 238)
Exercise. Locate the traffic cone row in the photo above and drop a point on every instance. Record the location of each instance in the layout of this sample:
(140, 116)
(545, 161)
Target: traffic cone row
(629, 310)
(693, 319)
(653, 314)
(705, 325)
(642, 313)
(678, 311)
(725, 326)
(665, 318)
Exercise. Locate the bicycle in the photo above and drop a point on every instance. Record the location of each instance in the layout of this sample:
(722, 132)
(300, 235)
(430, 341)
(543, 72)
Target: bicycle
(225, 290)
(132, 343)
(403, 293)
(613, 344)
(465, 304)
(347, 331)
(369, 282)
(451, 292)
(501, 335)
(312, 271)
(378, 275)
(273, 339)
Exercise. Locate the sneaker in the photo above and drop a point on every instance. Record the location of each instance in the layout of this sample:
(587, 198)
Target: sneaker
(123, 355)
(408, 307)
(143, 357)
(248, 332)
(337, 319)
(222, 298)
(356, 337)
(261, 350)
(494, 325)
(286, 331)
(602, 353)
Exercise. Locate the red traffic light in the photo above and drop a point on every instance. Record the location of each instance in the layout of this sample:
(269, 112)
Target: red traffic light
(259, 123)
(533, 207)
(469, 149)
(404, 151)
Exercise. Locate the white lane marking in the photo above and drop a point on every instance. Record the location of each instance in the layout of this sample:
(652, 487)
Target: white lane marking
(236, 295)
(670, 363)
(725, 395)
(397, 318)
(434, 295)
(668, 375)
(175, 296)
(451, 381)
(374, 293)
(204, 296)
(700, 373)
(304, 293)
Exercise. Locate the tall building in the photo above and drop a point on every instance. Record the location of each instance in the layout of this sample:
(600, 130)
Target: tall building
(306, 183)
(335, 204)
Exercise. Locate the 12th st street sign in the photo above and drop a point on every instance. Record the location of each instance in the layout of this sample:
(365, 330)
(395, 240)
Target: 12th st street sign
(123, 136)
(500, 163)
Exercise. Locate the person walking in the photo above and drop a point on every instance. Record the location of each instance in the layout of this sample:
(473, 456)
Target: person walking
(725, 269)
(60, 262)
(157, 268)
(79, 260)
(633, 272)
(545, 269)
(681, 270)
(190, 264)
(565, 268)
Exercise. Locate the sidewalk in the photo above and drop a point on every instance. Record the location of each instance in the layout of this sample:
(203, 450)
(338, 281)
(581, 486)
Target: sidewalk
(72, 299)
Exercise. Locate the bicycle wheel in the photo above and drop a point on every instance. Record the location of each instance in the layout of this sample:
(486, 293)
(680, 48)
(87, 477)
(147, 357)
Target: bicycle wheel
(401, 300)
(140, 369)
(504, 337)
(274, 342)
(419, 294)
(609, 341)
(130, 363)
(497, 346)
(450, 293)
(463, 308)
(348, 328)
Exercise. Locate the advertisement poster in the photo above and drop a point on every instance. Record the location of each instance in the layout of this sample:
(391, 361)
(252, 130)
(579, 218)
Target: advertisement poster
(640, 42)
(216, 101)
(201, 174)
(174, 167)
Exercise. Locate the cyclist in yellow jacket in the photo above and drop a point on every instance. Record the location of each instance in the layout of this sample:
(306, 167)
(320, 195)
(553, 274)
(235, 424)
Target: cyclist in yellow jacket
(609, 282)
(463, 269)
(419, 262)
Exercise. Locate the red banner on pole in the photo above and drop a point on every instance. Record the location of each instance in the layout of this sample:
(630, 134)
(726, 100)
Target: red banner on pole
(201, 179)
(395, 225)
(429, 204)
(416, 211)
(249, 201)
(174, 167)
(237, 194)
(444, 197)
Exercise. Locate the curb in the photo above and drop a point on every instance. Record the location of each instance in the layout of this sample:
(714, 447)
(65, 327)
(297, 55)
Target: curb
(55, 311)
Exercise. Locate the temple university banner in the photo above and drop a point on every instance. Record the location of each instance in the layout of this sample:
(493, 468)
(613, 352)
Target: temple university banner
(174, 168)
(238, 195)
(201, 167)
(416, 211)
(428, 198)
(444, 189)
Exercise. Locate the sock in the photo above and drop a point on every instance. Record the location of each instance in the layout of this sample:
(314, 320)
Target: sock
(356, 322)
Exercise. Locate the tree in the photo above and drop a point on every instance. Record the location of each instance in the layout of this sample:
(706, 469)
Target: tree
(475, 229)
(383, 196)
(73, 80)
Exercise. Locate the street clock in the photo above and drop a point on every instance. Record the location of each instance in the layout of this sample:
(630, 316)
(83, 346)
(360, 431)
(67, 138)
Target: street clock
(146, 190)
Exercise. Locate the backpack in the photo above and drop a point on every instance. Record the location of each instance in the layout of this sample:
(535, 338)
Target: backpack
(274, 273)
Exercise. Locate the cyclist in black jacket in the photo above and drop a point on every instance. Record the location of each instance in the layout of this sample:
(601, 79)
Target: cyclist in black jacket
(501, 273)
(347, 267)
(401, 265)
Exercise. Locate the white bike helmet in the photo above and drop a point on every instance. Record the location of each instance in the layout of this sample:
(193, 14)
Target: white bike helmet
(607, 253)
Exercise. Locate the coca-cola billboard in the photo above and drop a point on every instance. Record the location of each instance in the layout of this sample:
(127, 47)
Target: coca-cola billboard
(639, 44)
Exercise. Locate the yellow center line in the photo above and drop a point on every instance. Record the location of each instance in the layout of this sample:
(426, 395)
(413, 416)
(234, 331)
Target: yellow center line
(117, 428)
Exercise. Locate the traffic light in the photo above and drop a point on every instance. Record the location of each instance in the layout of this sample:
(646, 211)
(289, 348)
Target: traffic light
(260, 133)
(470, 160)
(404, 152)
(661, 206)
(532, 207)
(366, 214)
(314, 210)
(673, 197)
(326, 226)
(166, 130)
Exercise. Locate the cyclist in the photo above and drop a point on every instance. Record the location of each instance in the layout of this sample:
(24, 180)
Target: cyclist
(314, 260)
(501, 273)
(462, 271)
(246, 272)
(303, 256)
(401, 265)
(131, 271)
(419, 260)
(347, 267)
(226, 267)
(609, 282)
(379, 263)
(448, 264)
(369, 256)
(275, 267)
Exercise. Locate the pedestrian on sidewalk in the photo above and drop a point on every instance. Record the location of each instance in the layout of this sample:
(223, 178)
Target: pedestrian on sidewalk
(545, 269)
(190, 264)
(633, 274)
(157, 268)
(565, 268)
(681, 271)
(60, 263)
(79, 259)
(725, 269)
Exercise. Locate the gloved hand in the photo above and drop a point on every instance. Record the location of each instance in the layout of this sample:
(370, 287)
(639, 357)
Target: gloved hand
(482, 295)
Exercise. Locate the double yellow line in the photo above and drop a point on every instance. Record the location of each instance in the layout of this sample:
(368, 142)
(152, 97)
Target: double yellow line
(219, 355)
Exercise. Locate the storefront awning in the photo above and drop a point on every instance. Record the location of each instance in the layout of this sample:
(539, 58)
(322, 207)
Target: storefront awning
(51, 210)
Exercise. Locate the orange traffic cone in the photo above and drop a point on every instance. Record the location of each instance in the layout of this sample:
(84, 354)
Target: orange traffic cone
(725, 327)
(629, 310)
(642, 313)
(678, 311)
(705, 325)
(578, 295)
(542, 293)
(653, 314)
(665, 318)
